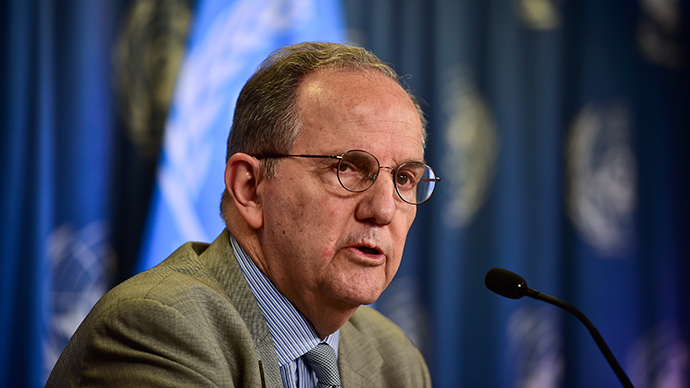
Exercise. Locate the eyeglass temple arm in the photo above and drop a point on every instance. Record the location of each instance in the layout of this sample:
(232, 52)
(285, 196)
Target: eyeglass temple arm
(270, 155)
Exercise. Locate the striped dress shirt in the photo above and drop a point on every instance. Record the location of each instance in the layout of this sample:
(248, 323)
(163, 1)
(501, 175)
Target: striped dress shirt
(292, 334)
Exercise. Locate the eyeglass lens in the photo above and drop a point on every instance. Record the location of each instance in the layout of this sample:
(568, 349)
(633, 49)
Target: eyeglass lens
(414, 181)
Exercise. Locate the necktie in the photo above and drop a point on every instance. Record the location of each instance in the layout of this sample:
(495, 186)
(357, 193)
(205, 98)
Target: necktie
(322, 361)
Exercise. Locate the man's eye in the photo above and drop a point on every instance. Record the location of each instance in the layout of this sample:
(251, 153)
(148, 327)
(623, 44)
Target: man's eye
(345, 167)
(403, 179)
(408, 177)
(352, 168)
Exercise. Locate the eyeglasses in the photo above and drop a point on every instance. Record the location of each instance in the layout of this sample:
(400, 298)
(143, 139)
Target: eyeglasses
(357, 171)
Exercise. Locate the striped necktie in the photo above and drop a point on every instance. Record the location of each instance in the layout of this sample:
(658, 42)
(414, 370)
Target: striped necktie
(322, 360)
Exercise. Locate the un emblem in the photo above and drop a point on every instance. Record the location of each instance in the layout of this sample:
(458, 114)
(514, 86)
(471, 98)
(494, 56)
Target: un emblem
(539, 14)
(535, 337)
(79, 260)
(146, 63)
(660, 358)
(402, 304)
(601, 177)
(472, 145)
(659, 32)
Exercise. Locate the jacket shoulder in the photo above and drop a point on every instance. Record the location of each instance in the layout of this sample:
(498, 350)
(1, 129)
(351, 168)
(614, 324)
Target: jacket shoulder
(173, 324)
(370, 339)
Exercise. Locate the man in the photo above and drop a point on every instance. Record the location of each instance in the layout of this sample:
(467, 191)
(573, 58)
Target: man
(324, 171)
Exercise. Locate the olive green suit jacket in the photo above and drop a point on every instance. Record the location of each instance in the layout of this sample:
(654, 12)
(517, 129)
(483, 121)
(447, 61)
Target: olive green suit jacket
(193, 321)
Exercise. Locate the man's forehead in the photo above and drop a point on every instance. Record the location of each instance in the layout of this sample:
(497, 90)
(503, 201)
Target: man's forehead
(329, 81)
(354, 95)
(353, 109)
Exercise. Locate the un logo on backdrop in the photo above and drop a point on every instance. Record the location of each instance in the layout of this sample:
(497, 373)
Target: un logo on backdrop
(539, 14)
(659, 32)
(601, 177)
(471, 148)
(403, 305)
(660, 358)
(535, 338)
(79, 260)
(147, 58)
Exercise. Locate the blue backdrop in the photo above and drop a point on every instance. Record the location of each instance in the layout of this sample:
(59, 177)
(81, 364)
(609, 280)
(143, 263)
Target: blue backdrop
(560, 131)
(559, 128)
(56, 150)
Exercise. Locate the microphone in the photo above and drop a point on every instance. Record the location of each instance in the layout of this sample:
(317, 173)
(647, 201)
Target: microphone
(513, 286)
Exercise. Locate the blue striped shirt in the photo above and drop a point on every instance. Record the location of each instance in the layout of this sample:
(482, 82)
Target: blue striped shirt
(292, 333)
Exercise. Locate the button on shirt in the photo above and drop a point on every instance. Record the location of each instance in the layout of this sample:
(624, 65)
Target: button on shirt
(292, 334)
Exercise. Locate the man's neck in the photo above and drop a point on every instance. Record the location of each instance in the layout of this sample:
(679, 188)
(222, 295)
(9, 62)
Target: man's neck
(327, 318)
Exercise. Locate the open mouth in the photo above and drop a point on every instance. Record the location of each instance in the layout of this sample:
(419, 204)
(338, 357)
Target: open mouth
(369, 251)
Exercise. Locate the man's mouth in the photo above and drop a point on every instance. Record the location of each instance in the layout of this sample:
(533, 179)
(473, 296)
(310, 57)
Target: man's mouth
(369, 251)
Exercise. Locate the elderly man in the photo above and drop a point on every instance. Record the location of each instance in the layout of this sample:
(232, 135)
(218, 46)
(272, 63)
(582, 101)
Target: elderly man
(325, 168)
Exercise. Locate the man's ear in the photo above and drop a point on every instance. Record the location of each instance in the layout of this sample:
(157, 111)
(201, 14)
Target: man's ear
(243, 173)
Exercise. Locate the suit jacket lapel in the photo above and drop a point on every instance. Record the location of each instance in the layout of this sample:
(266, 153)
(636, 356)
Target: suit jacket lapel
(223, 265)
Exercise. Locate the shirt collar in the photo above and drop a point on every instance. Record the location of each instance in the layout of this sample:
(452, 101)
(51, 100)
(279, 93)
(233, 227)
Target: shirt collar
(292, 333)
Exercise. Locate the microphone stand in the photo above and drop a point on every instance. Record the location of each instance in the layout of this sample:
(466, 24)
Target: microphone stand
(592, 330)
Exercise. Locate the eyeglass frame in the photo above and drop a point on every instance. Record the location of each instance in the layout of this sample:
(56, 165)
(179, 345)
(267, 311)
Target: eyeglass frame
(271, 155)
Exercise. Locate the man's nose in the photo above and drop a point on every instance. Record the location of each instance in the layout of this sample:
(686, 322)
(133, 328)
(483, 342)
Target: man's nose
(379, 202)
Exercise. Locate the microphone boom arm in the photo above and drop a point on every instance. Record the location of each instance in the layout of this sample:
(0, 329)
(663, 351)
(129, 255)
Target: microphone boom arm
(592, 330)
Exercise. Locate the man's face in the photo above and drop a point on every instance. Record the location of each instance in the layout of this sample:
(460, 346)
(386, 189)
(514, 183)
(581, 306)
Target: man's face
(324, 245)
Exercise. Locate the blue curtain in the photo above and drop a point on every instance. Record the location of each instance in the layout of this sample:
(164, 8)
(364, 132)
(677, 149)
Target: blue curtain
(560, 130)
(56, 153)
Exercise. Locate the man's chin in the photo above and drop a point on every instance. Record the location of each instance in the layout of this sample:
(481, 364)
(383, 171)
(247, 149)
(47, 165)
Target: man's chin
(363, 288)
(359, 299)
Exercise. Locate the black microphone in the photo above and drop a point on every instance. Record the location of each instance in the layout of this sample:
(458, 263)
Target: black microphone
(513, 286)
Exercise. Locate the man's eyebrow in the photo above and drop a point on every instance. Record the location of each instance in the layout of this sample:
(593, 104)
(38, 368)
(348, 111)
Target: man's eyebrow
(422, 161)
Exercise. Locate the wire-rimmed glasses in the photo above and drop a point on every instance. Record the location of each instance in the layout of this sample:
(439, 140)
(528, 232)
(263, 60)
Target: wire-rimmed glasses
(358, 170)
